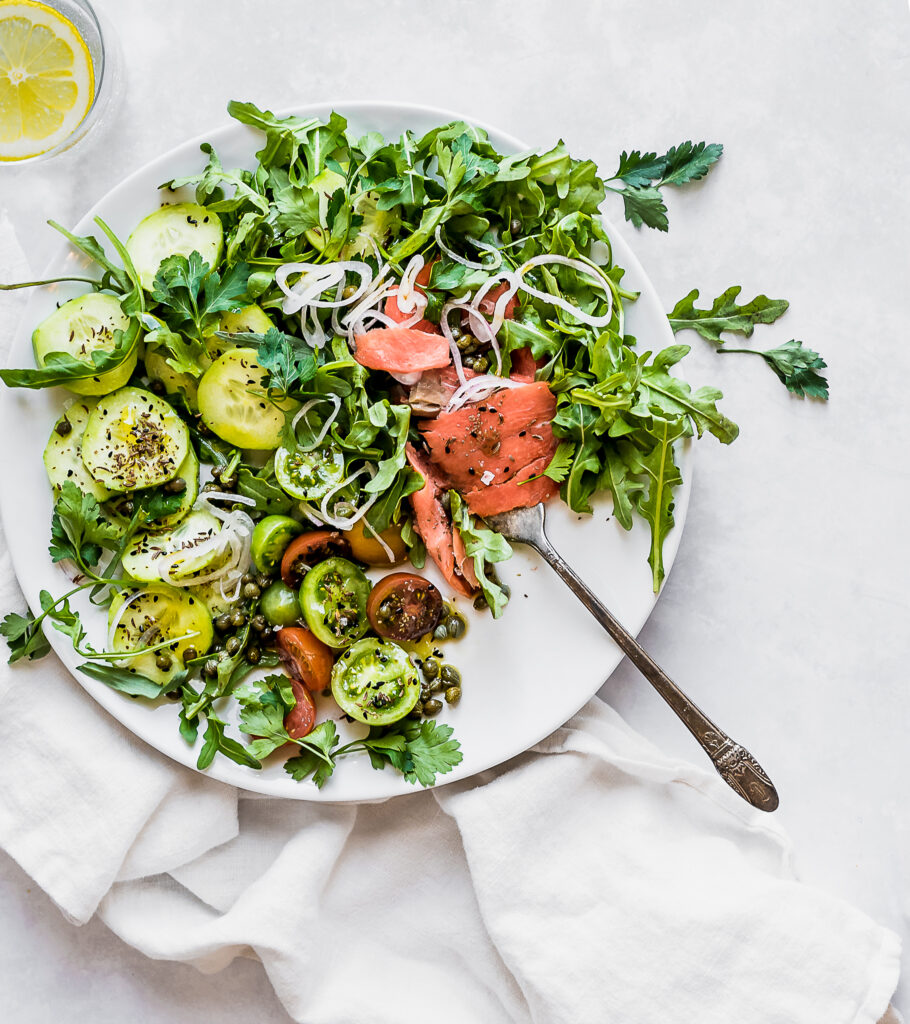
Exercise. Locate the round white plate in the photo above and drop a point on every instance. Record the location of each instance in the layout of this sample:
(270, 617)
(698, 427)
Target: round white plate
(524, 675)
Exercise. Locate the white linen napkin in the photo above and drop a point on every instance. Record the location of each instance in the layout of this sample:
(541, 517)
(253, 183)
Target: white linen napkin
(592, 879)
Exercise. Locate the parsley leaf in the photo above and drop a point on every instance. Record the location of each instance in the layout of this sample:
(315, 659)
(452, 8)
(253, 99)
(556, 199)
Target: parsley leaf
(264, 704)
(725, 314)
(290, 361)
(559, 466)
(797, 366)
(689, 162)
(645, 206)
(79, 531)
(24, 637)
(194, 295)
(317, 755)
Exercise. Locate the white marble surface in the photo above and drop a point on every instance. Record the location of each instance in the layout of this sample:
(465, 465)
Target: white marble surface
(787, 613)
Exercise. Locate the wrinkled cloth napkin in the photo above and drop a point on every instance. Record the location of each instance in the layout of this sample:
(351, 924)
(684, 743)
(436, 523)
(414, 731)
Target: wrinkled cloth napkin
(592, 879)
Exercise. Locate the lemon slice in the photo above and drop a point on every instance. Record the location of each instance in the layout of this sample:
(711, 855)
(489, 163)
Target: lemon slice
(47, 80)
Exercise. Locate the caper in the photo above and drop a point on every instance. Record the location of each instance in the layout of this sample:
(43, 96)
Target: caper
(416, 711)
(233, 645)
(515, 226)
(425, 693)
(175, 486)
(128, 508)
(228, 482)
(238, 619)
(437, 685)
(253, 655)
(468, 362)
(223, 623)
(481, 364)
(248, 577)
(189, 654)
(464, 341)
(251, 591)
(432, 707)
(455, 625)
(163, 661)
(157, 386)
(440, 632)
(259, 623)
(456, 333)
(453, 694)
(480, 602)
(349, 292)
(173, 695)
(263, 581)
(431, 668)
(450, 675)
(210, 669)
(64, 427)
(210, 487)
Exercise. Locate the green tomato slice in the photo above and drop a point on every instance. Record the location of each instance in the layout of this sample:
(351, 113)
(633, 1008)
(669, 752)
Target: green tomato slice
(375, 682)
(270, 538)
(309, 476)
(333, 599)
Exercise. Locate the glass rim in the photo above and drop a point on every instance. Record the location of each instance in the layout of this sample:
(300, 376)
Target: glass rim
(99, 80)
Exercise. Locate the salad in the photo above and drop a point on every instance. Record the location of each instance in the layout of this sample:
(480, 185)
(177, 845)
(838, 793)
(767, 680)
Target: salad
(344, 358)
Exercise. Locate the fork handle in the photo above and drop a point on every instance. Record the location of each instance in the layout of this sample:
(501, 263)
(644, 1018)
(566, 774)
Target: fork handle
(736, 766)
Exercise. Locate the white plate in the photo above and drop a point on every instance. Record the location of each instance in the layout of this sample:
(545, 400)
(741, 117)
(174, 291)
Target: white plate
(523, 676)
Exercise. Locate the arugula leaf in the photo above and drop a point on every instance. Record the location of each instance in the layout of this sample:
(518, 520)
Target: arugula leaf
(663, 477)
(725, 314)
(666, 394)
(484, 547)
(79, 531)
(126, 681)
(216, 742)
(209, 186)
(796, 365)
(264, 489)
(62, 368)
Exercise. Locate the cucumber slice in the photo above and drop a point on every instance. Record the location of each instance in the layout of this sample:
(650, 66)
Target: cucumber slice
(159, 613)
(252, 319)
(134, 440)
(80, 327)
(63, 454)
(189, 472)
(157, 368)
(146, 553)
(210, 595)
(234, 405)
(175, 230)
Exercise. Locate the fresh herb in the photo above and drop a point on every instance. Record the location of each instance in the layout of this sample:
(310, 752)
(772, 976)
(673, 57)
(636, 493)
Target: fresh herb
(192, 296)
(290, 361)
(796, 365)
(484, 548)
(644, 174)
(79, 530)
(725, 314)
(419, 750)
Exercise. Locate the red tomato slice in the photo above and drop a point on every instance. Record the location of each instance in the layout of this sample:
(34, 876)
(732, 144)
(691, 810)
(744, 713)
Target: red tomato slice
(299, 721)
(307, 549)
(404, 606)
(306, 659)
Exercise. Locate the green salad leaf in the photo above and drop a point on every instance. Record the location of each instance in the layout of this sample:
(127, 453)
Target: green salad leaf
(725, 314)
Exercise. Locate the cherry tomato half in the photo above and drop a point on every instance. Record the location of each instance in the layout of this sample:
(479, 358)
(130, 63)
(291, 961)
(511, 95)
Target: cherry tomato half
(279, 605)
(299, 721)
(333, 599)
(308, 549)
(404, 606)
(366, 548)
(306, 659)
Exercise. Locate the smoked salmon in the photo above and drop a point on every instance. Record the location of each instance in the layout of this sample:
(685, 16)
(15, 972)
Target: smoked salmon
(393, 312)
(487, 449)
(435, 528)
(401, 350)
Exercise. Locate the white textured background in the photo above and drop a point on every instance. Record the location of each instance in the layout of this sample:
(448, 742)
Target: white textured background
(786, 615)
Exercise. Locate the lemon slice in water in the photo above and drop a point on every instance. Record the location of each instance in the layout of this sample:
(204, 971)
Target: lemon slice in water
(47, 81)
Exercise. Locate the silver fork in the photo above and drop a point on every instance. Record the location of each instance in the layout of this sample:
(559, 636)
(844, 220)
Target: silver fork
(737, 767)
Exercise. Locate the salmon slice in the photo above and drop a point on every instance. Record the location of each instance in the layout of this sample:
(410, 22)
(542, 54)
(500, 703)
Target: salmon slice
(401, 350)
(523, 364)
(487, 448)
(398, 315)
(435, 528)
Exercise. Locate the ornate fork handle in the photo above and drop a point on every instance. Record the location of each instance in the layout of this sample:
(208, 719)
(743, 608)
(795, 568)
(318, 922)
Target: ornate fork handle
(737, 767)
